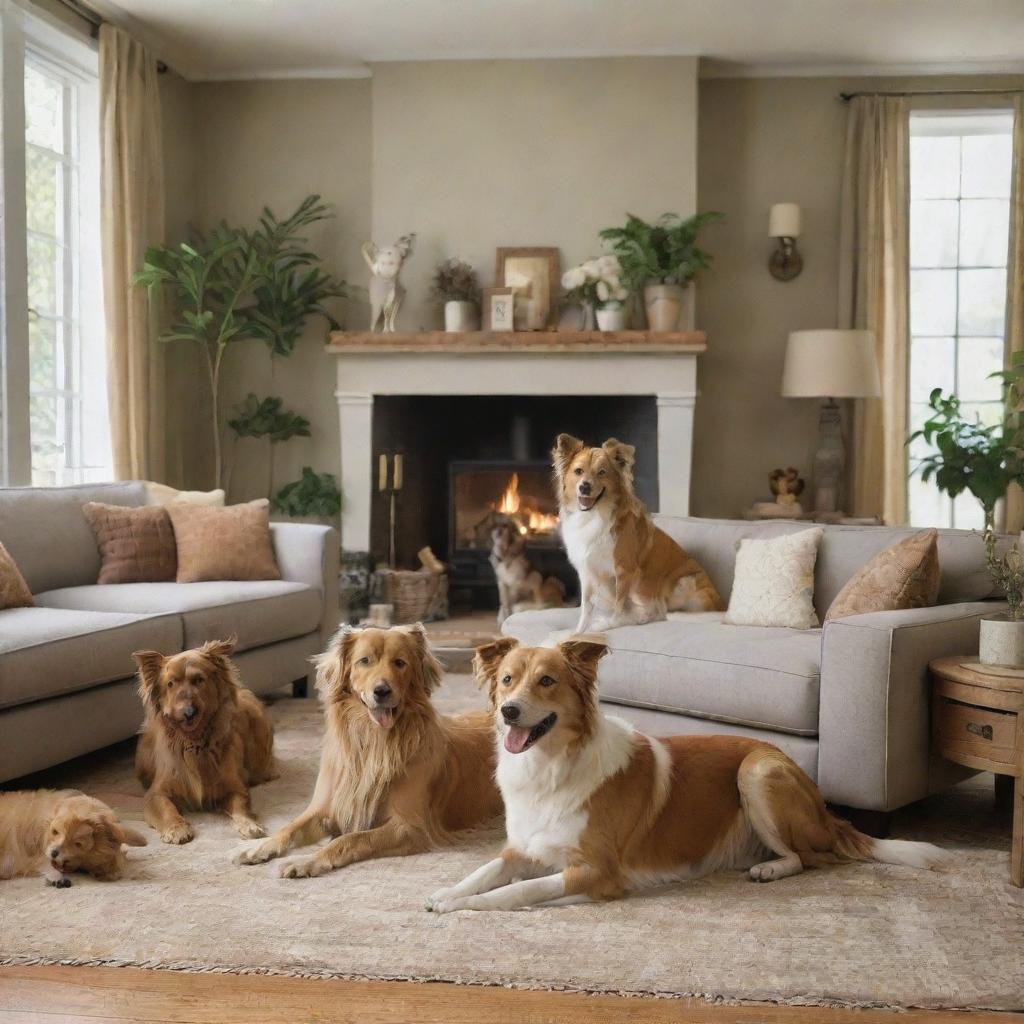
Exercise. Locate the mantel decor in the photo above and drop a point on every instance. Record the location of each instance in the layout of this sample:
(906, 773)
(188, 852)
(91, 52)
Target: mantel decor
(533, 271)
(482, 342)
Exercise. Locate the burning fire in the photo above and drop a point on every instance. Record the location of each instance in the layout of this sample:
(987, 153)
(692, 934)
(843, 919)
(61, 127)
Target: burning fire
(528, 520)
(510, 502)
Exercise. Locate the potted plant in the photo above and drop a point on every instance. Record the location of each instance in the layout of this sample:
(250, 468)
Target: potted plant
(983, 460)
(455, 284)
(314, 497)
(661, 259)
(597, 286)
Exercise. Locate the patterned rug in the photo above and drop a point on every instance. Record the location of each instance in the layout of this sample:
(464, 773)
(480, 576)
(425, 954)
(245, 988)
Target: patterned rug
(855, 935)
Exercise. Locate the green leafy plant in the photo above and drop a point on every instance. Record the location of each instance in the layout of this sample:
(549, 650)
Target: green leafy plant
(313, 494)
(455, 281)
(267, 418)
(665, 252)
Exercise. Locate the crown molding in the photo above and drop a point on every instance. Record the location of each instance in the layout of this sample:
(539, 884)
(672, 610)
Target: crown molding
(346, 71)
(714, 68)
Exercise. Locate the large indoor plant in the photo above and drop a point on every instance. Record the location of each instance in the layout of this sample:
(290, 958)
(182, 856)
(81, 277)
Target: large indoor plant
(660, 260)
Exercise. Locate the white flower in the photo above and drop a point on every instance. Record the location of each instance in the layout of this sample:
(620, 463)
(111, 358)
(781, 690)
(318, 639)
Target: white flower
(592, 270)
(620, 294)
(573, 278)
(612, 280)
(609, 265)
(603, 291)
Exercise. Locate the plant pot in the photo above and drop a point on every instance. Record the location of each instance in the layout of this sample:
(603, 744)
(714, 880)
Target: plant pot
(611, 318)
(588, 317)
(664, 306)
(1001, 641)
(460, 316)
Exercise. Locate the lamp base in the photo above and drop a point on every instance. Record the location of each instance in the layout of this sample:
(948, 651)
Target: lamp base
(829, 459)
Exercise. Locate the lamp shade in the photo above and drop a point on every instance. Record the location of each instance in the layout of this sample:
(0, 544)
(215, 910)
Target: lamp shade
(830, 364)
(784, 221)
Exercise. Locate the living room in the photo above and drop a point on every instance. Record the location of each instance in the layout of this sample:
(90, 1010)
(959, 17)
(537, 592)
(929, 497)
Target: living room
(304, 305)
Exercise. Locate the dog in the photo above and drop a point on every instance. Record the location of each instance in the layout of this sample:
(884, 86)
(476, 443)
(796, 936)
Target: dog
(386, 291)
(205, 741)
(55, 833)
(395, 777)
(630, 571)
(594, 809)
(520, 586)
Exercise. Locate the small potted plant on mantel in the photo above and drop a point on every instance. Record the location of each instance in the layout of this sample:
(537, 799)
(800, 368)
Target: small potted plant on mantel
(660, 260)
(984, 460)
(455, 284)
(597, 285)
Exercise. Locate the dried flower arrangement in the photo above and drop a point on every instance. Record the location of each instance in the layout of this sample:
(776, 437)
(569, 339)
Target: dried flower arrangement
(455, 281)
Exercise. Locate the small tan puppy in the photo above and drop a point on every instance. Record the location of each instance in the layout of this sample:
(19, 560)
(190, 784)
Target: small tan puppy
(520, 586)
(54, 833)
(205, 741)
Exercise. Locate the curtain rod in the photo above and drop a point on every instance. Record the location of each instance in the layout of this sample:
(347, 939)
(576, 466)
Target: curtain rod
(95, 20)
(847, 96)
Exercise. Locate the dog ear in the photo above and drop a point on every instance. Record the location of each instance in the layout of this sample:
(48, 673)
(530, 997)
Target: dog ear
(150, 664)
(582, 654)
(334, 666)
(488, 658)
(566, 449)
(222, 649)
(620, 452)
(430, 666)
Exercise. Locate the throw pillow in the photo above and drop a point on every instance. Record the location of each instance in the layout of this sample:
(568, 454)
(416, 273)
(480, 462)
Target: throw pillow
(14, 592)
(904, 575)
(161, 494)
(774, 581)
(231, 543)
(136, 543)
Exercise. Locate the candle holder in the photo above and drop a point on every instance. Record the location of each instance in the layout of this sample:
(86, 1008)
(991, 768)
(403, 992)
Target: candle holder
(390, 478)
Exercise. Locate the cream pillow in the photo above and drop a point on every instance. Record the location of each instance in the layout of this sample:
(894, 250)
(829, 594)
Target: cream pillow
(161, 494)
(774, 581)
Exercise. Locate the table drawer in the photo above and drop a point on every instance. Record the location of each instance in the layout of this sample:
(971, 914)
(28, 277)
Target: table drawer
(979, 733)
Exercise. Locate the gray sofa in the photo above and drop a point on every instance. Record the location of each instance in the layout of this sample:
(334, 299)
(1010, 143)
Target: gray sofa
(848, 702)
(66, 684)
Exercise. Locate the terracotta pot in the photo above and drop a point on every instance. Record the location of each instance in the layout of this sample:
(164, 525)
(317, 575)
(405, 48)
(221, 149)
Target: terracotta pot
(611, 318)
(664, 306)
(1001, 641)
(460, 316)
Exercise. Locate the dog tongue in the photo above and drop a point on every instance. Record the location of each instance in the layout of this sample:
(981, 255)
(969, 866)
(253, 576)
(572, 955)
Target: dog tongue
(384, 717)
(516, 739)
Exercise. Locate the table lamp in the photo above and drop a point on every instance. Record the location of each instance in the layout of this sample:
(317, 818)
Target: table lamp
(830, 364)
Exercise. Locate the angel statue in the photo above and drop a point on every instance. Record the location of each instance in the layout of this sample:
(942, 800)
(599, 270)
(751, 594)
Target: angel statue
(386, 291)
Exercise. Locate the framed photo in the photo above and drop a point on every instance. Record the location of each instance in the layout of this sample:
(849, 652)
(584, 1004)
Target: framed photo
(534, 273)
(499, 309)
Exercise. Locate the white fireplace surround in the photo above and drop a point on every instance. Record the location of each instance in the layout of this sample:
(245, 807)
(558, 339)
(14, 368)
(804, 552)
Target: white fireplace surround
(666, 371)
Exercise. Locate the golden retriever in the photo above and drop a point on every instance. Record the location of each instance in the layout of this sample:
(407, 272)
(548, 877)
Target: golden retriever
(206, 740)
(54, 833)
(395, 776)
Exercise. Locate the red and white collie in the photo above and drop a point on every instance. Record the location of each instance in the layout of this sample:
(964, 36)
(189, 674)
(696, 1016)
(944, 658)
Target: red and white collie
(594, 809)
(630, 571)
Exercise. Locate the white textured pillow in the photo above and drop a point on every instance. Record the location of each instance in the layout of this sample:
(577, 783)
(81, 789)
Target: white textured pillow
(774, 582)
(161, 494)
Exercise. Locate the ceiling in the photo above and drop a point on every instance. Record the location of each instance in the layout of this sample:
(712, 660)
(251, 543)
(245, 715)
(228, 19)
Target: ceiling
(213, 39)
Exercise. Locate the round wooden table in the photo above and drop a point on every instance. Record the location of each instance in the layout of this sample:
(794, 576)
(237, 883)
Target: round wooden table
(978, 721)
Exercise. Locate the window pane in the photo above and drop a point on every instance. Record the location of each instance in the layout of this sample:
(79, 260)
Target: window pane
(986, 166)
(42, 185)
(932, 365)
(977, 360)
(933, 302)
(44, 365)
(927, 506)
(935, 167)
(44, 109)
(933, 233)
(43, 275)
(988, 413)
(967, 512)
(982, 302)
(984, 232)
(47, 447)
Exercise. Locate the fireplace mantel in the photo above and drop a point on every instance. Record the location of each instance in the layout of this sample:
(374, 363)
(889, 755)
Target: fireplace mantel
(538, 363)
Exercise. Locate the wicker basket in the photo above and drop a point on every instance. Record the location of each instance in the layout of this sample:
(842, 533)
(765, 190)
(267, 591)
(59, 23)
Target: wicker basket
(419, 596)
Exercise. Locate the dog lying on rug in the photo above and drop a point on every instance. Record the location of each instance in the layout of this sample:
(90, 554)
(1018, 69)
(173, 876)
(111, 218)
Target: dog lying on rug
(595, 810)
(55, 833)
(630, 571)
(520, 586)
(205, 741)
(395, 776)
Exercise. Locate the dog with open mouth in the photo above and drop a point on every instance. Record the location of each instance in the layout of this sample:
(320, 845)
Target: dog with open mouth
(630, 571)
(594, 809)
(395, 776)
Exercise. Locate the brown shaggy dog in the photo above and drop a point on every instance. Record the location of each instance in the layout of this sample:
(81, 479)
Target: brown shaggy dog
(520, 586)
(630, 571)
(205, 741)
(395, 776)
(55, 832)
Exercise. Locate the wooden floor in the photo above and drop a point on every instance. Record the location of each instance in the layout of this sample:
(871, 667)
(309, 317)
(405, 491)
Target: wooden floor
(87, 995)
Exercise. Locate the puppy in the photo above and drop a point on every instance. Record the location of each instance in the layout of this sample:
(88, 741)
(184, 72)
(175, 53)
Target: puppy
(206, 739)
(630, 571)
(594, 809)
(395, 777)
(54, 833)
(520, 586)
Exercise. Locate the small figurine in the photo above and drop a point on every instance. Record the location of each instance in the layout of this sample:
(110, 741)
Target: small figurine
(786, 485)
(386, 291)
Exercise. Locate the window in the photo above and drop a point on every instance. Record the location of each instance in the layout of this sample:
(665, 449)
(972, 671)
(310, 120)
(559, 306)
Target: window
(56, 428)
(960, 166)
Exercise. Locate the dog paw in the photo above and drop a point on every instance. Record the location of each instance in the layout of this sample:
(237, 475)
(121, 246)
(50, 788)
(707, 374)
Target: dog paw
(311, 867)
(178, 834)
(257, 854)
(59, 883)
(437, 897)
(250, 829)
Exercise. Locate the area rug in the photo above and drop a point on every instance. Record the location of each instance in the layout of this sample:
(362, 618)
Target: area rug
(858, 935)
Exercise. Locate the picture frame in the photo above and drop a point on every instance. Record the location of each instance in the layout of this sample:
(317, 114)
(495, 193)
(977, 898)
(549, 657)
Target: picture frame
(535, 273)
(498, 308)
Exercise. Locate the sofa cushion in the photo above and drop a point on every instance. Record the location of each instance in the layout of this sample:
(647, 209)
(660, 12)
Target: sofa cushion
(136, 544)
(694, 664)
(230, 543)
(46, 652)
(14, 592)
(258, 613)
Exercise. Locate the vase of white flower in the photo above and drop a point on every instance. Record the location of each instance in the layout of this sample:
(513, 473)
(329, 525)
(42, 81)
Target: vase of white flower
(611, 317)
(597, 284)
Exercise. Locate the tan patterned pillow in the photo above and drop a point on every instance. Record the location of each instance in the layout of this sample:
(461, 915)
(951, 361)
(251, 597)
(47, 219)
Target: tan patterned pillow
(161, 494)
(231, 543)
(904, 575)
(14, 592)
(136, 544)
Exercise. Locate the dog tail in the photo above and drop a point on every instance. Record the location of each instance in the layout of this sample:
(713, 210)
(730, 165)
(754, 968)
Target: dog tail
(851, 844)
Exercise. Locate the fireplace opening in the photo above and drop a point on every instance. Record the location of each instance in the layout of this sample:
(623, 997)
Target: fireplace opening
(484, 494)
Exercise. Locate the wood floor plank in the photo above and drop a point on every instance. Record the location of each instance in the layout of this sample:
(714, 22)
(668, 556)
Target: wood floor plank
(98, 995)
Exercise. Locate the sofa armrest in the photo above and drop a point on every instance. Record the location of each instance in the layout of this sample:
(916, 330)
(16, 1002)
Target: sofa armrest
(307, 553)
(873, 719)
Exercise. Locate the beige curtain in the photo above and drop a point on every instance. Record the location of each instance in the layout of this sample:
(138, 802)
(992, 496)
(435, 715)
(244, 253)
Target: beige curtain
(873, 283)
(1015, 286)
(132, 198)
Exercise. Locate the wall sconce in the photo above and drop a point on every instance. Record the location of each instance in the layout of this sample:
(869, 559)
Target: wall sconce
(784, 224)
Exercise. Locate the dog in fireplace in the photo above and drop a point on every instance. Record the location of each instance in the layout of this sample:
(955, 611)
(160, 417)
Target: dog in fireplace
(520, 586)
